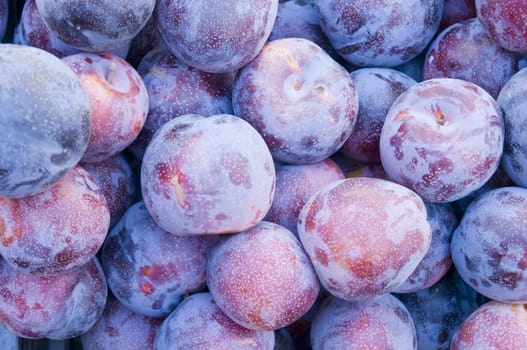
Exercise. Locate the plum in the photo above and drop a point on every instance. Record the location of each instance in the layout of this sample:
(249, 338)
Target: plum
(55, 230)
(207, 175)
(300, 100)
(261, 278)
(148, 269)
(377, 89)
(455, 11)
(57, 307)
(44, 120)
(382, 323)
(514, 106)
(145, 41)
(465, 51)
(489, 247)
(442, 138)
(379, 33)
(198, 323)
(97, 25)
(206, 34)
(364, 236)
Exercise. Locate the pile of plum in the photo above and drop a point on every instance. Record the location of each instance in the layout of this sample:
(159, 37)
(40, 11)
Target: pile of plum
(264, 174)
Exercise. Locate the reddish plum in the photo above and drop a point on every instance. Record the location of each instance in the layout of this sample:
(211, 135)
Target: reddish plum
(364, 236)
(294, 185)
(206, 34)
(44, 120)
(148, 269)
(261, 278)
(505, 21)
(383, 323)
(300, 100)
(55, 230)
(118, 101)
(198, 323)
(97, 25)
(368, 170)
(56, 307)
(119, 328)
(377, 89)
(513, 102)
(493, 326)
(465, 51)
(442, 138)
(489, 247)
(379, 33)
(207, 175)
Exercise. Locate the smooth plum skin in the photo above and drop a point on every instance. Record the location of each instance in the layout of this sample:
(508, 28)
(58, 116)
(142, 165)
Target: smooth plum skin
(4, 16)
(377, 89)
(379, 33)
(364, 236)
(261, 278)
(465, 51)
(118, 101)
(490, 245)
(42, 137)
(493, 326)
(505, 22)
(121, 328)
(302, 102)
(148, 269)
(382, 323)
(56, 307)
(97, 25)
(513, 102)
(55, 230)
(205, 34)
(442, 138)
(207, 175)
(198, 323)
(455, 11)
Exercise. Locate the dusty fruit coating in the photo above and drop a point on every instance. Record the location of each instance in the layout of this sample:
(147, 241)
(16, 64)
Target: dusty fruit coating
(381, 323)
(302, 102)
(262, 278)
(207, 175)
(42, 139)
(55, 230)
(205, 34)
(442, 138)
(364, 236)
(489, 247)
(198, 323)
(495, 326)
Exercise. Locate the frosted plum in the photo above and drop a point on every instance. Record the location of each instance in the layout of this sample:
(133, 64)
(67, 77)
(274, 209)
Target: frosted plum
(489, 247)
(205, 34)
(493, 326)
(148, 269)
(207, 175)
(382, 323)
(56, 307)
(379, 33)
(442, 138)
(198, 323)
(261, 278)
(97, 25)
(377, 89)
(505, 22)
(120, 328)
(300, 100)
(55, 230)
(43, 137)
(437, 261)
(513, 103)
(117, 181)
(294, 185)
(465, 51)
(364, 236)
